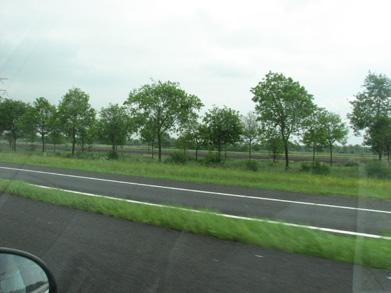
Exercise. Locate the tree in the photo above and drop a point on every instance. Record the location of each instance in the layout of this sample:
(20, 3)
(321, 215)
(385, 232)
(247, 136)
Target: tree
(284, 104)
(372, 102)
(250, 130)
(88, 134)
(42, 112)
(334, 129)
(147, 133)
(56, 130)
(224, 127)
(12, 117)
(371, 106)
(163, 106)
(315, 133)
(193, 135)
(114, 125)
(76, 115)
(272, 140)
(378, 136)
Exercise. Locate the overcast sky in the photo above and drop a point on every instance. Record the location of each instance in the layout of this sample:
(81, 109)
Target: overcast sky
(217, 50)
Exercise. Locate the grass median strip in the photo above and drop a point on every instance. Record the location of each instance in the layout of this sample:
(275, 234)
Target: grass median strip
(286, 181)
(359, 250)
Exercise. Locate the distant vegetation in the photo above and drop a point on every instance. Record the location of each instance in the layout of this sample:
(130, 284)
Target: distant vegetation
(284, 118)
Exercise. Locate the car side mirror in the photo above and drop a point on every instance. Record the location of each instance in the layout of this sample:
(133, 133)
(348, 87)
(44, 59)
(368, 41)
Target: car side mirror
(23, 272)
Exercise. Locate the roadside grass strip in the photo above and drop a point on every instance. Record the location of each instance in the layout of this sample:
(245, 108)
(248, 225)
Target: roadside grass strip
(272, 180)
(358, 249)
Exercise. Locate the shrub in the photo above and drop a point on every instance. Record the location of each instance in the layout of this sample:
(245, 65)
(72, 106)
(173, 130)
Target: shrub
(378, 170)
(305, 167)
(318, 168)
(351, 163)
(86, 155)
(112, 155)
(252, 165)
(176, 158)
(212, 159)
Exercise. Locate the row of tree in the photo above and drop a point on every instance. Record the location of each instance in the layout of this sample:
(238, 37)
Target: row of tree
(284, 110)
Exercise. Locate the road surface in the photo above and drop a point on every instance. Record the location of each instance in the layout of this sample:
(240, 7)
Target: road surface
(88, 252)
(334, 212)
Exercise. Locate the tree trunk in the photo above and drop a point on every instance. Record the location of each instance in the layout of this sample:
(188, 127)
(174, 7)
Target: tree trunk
(82, 144)
(249, 150)
(286, 155)
(14, 144)
(196, 153)
(73, 141)
(313, 155)
(380, 155)
(219, 151)
(159, 143)
(43, 142)
(331, 154)
(152, 150)
(274, 156)
(73, 145)
(225, 152)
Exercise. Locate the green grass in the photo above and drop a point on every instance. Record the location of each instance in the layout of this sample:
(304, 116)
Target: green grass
(358, 250)
(286, 181)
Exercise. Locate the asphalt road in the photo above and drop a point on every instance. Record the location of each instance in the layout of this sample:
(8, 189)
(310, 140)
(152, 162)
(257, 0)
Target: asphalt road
(351, 214)
(88, 252)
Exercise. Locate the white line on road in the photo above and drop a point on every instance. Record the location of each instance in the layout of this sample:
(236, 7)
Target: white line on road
(200, 191)
(337, 231)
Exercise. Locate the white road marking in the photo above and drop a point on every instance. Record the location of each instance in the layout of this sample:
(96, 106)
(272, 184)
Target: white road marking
(201, 191)
(337, 231)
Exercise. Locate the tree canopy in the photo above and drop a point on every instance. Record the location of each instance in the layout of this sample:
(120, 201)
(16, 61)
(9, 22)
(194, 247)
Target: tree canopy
(223, 127)
(76, 115)
(371, 108)
(114, 125)
(284, 104)
(164, 105)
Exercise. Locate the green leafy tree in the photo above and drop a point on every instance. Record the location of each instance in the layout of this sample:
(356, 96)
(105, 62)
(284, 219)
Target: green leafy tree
(192, 135)
(250, 130)
(371, 106)
(163, 106)
(89, 133)
(12, 120)
(224, 127)
(335, 130)
(374, 101)
(76, 116)
(27, 126)
(378, 136)
(147, 133)
(56, 135)
(284, 104)
(271, 139)
(42, 116)
(315, 132)
(114, 126)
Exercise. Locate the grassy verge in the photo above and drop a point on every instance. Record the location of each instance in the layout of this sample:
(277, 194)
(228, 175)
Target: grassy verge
(364, 251)
(286, 181)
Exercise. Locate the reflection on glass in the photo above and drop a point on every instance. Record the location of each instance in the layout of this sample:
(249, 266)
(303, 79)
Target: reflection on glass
(21, 275)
